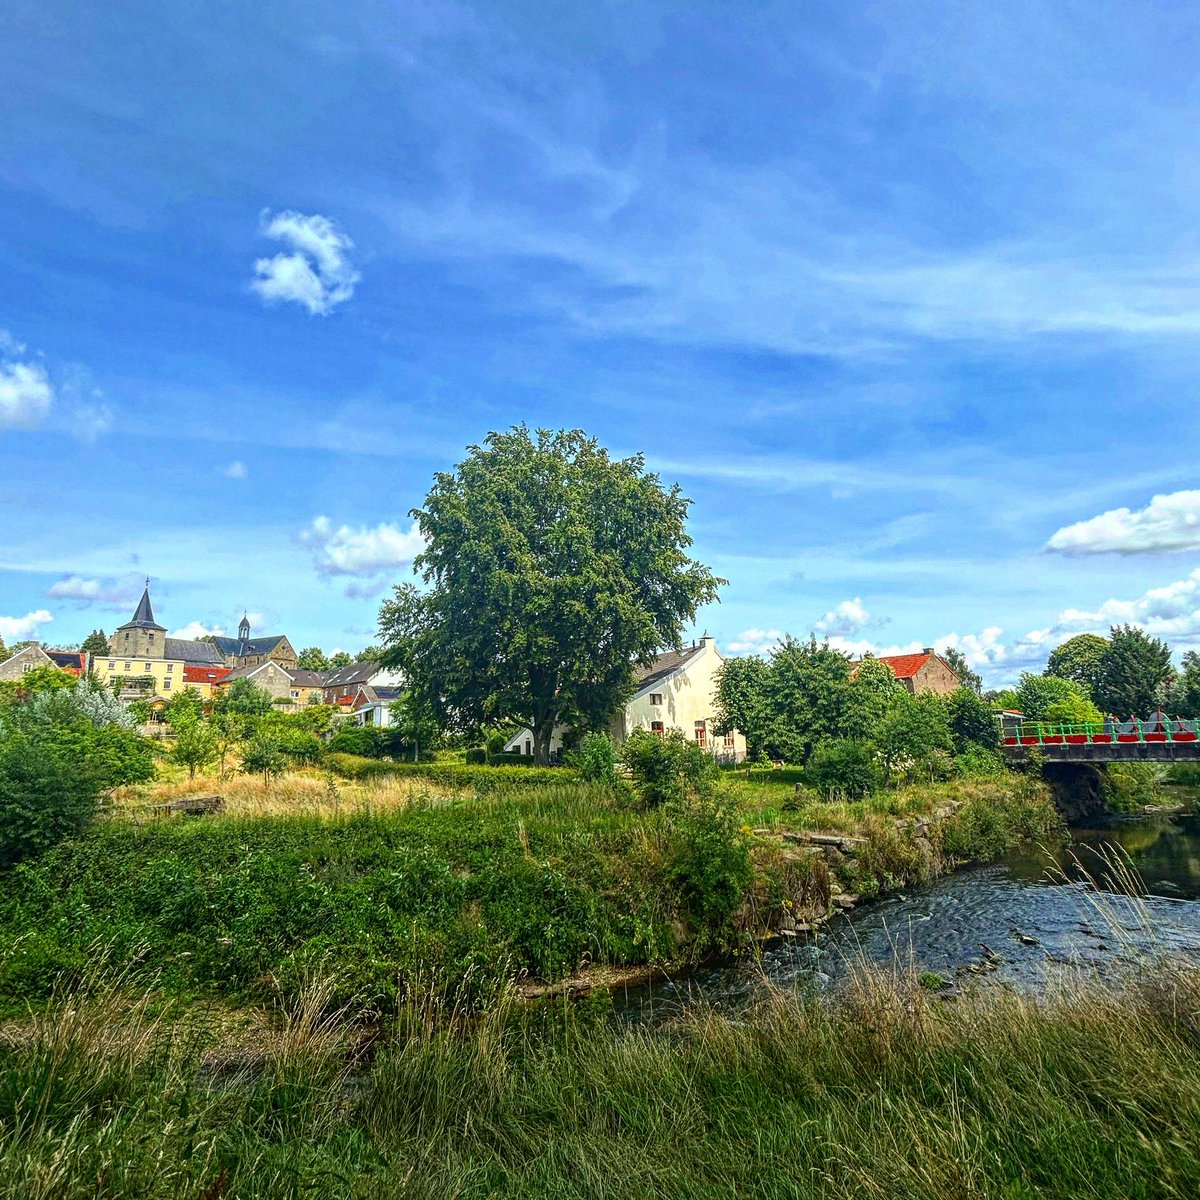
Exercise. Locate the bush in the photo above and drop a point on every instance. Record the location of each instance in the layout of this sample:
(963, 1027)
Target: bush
(668, 768)
(511, 759)
(46, 794)
(476, 756)
(263, 755)
(362, 740)
(480, 779)
(844, 766)
(978, 763)
(1127, 787)
(596, 759)
(711, 867)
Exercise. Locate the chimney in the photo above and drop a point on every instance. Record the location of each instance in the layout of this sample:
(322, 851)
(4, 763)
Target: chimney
(928, 650)
(706, 639)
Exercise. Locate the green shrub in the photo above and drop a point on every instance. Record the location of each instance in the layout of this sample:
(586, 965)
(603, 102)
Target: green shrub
(476, 756)
(596, 760)
(668, 768)
(363, 740)
(480, 779)
(263, 756)
(844, 767)
(978, 763)
(1184, 774)
(46, 794)
(511, 759)
(711, 866)
(1127, 787)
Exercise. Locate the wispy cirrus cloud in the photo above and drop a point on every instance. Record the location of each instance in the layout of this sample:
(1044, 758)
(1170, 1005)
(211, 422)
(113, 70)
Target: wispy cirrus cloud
(315, 273)
(1167, 524)
(26, 393)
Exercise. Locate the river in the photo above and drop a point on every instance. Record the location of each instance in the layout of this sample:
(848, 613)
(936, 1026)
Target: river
(1022, 920)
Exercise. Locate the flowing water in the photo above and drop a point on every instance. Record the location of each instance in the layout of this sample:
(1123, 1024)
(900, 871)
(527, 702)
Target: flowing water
(1023, 920)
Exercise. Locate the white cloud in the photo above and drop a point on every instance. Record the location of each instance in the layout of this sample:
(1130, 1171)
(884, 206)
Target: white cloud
(755, 641)
(846, 618)
(112, 593)
(196, 629)
(26, 395)
(89, 421)
(365, 553)
(1168, 523)
(317, 274)
(20, 629)
(235, 470)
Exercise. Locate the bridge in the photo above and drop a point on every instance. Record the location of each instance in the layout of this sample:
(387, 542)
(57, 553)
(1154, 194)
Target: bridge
(1155, 739)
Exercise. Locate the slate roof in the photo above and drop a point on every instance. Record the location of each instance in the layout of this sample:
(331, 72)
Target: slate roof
(246, 672)
(305, 678)
(385, 695)
(663, 665)
(358, 672)
(200, 653)
(237, 648)
(143, 618)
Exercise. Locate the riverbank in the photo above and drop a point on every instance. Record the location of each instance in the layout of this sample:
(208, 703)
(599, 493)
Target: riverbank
(387, 883)
(888, 1092)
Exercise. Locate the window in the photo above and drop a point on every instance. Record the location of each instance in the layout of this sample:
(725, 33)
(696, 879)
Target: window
(170, 668)
(729, 740)
(26, 668)
(112, 666)
(657, 727)
(656, 699)
(701, 734)
(150, 636)
(166, 685)
(128, 666)
(149, 667)
(528, 748)
(295, 695)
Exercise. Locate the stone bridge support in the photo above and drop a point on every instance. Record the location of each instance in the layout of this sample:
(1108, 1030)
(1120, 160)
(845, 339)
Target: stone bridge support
(1077, 790)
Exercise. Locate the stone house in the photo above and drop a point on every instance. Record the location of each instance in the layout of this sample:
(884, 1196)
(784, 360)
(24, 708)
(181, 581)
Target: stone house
(676, 691)
(21, 662)
(269, 676)
(247, 651)
(924, 672)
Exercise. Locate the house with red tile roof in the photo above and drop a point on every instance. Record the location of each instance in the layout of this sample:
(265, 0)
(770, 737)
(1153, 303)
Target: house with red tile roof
(924, 672)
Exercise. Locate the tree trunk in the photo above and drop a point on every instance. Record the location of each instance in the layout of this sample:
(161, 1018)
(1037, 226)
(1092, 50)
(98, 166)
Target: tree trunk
(541, 742)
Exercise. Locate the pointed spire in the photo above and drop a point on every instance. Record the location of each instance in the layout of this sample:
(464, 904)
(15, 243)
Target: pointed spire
(143, 617)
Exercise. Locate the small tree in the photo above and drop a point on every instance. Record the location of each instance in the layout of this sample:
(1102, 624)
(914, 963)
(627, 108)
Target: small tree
(916, 733)
(874, 692)
(243, 697)
(340, 659)
(596, 759)
(1133, 672)
(843, 766)
(196, 745)
(264, 756)
(1037, 693)
(667, 768)
(312, 658)
(972, 721)
(95, 644)
(807, 695)
(740, 701)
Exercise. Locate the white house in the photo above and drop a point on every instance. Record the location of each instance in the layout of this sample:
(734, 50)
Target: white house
(676, 691)
(373, 705)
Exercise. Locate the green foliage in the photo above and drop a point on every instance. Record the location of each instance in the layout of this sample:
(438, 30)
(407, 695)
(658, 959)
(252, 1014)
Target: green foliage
(46, 793)
(957, 662)
(312, 658)
(264, 756)
(510, 758)
(475, 756)
(807, 697)
(478, 778)
(340, 659)
(1074, 710)
(363, 740)
(596, 760)
(1078, 659)
(184, 708)
(843, 767)
(46, 678)
(1131, 786)
(495, 742)
(972, 722)
(711, 867)
(95, 645)
(1184, 697)
(915, 737)
(551, 570)
(668, 768)
(977, 763)
(740, 700)
(1037, 693)
(244, 698)
(195, 746)
(1132, 672)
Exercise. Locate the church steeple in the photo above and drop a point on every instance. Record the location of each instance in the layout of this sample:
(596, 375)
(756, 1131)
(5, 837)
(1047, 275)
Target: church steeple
(143, 617)
(244, 629)
(140, 636)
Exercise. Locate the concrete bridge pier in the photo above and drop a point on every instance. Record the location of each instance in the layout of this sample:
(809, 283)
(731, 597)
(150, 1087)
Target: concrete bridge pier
(1077, 790)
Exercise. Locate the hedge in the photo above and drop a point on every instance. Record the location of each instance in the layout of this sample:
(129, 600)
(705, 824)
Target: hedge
(482, 779)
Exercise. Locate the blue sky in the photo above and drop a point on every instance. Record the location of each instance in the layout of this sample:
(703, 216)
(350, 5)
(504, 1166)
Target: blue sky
(905, 295)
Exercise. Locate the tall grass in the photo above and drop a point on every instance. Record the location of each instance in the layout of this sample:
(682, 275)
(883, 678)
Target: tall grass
(885, 1093)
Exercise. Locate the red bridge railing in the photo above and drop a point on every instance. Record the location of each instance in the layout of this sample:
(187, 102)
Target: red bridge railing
(1158, 728)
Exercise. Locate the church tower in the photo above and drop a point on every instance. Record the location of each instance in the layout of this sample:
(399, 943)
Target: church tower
(141, 636)
(243, 633)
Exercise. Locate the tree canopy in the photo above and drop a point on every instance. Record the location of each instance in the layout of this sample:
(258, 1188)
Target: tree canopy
(956, 660)
(550, 570)
(1078, 659)
(312, 658)
(1133, 672)
(96, 643)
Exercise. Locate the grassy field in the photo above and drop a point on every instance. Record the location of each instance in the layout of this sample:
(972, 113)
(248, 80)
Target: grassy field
(885, 1093)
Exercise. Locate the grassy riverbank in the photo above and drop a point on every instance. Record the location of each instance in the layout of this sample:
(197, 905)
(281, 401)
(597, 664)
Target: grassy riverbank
(885, 1093)
(388, 883)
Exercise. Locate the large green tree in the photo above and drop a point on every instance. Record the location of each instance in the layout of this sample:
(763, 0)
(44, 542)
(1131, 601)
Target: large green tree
(312, 658)
(1078, 659)
(550, 570)
(740, 701)
(1133, 672)
(809, 697)
(1037, 693)
(1184, 698)
(96, 643)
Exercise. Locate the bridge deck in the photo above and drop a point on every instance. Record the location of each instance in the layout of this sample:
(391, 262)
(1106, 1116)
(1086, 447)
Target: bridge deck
(1106, 752)
(1154, 739)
